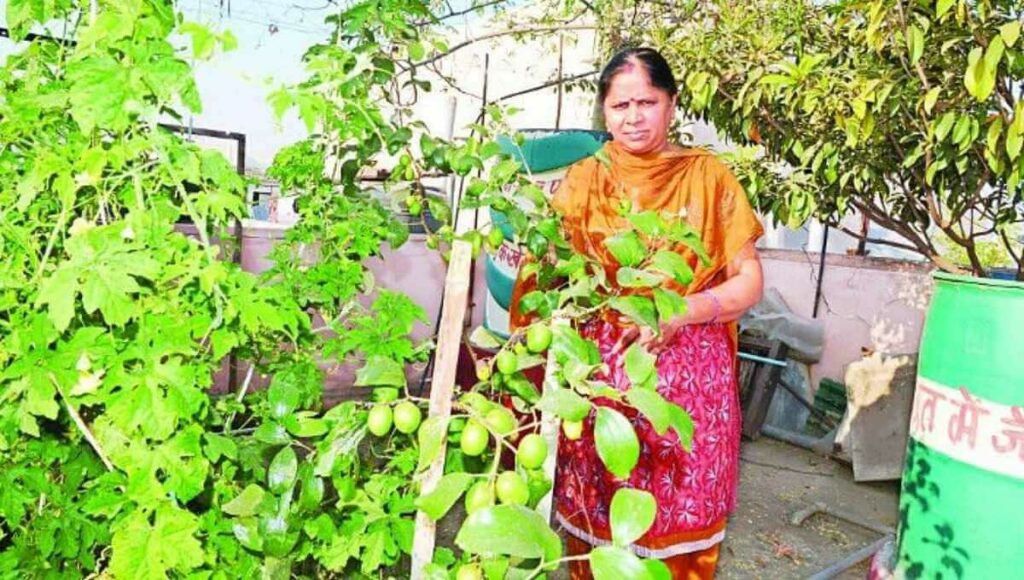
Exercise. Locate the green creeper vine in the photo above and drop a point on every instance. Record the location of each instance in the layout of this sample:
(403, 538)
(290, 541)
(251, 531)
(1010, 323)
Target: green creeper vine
(118, 455)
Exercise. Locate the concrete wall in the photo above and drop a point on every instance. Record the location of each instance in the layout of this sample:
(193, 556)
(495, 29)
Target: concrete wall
(866, 303)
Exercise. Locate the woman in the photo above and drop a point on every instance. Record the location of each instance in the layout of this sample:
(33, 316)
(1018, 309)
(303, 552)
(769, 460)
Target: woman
(696, 353)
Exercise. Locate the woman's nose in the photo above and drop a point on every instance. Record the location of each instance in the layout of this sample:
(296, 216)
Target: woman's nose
(633, 115)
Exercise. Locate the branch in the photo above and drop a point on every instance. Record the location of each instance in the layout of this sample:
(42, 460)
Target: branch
(865, 238)
(923, 243)
(764, 112)
(82, 426)
(514, 31)
(543, 86)
(455, 14)
(1009, 247)
(451, 83)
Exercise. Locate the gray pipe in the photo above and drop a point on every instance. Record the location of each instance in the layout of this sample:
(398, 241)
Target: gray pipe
(852, 560)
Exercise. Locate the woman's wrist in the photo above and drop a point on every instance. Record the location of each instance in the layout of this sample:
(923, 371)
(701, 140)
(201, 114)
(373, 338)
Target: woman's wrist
(716, 306)
(702, 308)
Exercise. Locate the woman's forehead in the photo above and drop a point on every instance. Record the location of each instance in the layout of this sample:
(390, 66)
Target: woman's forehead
(632, 84)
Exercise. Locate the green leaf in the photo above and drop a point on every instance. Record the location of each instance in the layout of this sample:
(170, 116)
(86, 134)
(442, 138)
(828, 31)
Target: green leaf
(614, 563)
(145, 551)
(416, 50)
(247, 532)
(272, 432)
(930, 98)
(942, 7)
(437, 503)
(632, 514)
(658, 570)
(107, 290)
(228, 41)
(283, 396)
(431, 437)
(281, 475)
(682, 423)
(652, 406)
(504, 170)
(218, 446)
(944, 125)
(565, 403)
(276, 569)
(1010, 32)
(483, 338)
(247, 502)
(311, 489)
(523, 388)
(980, 77)
(669, 304)
(381, 371)
(915, 44)
(639, 308)
(962, 129)
(640, 367)
(649, 223)
(100, 88)
(203, 40)
(626, 248)
(674, 265)
(993, 54)
(617, 445)
(1014, 140)
(58, 293)
(567, 344)
(633, 278)
(995, 130)
(303, 426)
(509, 530)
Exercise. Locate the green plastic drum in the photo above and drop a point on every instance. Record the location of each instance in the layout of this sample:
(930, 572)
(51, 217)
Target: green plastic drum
(962, 500)
(547, 155)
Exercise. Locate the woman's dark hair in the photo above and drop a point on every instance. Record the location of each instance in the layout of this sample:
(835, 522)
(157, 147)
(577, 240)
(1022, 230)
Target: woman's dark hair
(657, 70)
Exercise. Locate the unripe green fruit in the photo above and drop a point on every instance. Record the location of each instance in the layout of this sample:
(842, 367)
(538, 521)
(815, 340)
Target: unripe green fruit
(532, 452)
(407, 417)
(379, 420)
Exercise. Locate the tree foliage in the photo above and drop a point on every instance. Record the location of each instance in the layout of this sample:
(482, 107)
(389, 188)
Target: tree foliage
(907, 111)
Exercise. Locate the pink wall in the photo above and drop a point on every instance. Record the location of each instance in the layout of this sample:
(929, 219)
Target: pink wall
(872, 303)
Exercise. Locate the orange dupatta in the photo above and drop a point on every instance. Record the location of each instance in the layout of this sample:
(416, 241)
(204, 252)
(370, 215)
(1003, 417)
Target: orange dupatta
(690, 183)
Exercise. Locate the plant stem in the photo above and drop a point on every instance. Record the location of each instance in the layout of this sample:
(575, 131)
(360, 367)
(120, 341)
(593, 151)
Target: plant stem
(82, 427)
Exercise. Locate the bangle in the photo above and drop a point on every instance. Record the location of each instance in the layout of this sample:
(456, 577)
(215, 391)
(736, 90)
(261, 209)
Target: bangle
(716, 303)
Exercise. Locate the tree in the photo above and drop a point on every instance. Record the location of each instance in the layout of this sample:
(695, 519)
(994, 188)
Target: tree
(906, 111)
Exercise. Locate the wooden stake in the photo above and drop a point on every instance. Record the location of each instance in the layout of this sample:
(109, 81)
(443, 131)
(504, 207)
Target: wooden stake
(549, 425)
(442, 386)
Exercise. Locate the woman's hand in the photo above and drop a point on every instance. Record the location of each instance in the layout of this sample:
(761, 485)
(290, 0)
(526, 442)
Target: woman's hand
(645, 337)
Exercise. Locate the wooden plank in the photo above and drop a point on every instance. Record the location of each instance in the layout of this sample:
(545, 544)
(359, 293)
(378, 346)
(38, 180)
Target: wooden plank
(442, 386)
(765, 380)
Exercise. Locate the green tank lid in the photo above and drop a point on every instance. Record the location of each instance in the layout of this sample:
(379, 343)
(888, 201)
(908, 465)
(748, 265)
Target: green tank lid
(544, 149)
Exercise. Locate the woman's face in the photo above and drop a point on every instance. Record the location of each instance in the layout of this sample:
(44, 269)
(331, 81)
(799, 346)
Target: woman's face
(637, 113)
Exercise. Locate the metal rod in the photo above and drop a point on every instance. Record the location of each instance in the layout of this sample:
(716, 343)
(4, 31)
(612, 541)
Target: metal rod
(762, 359)
(821, 272)
(852, 560)
(807, 404)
